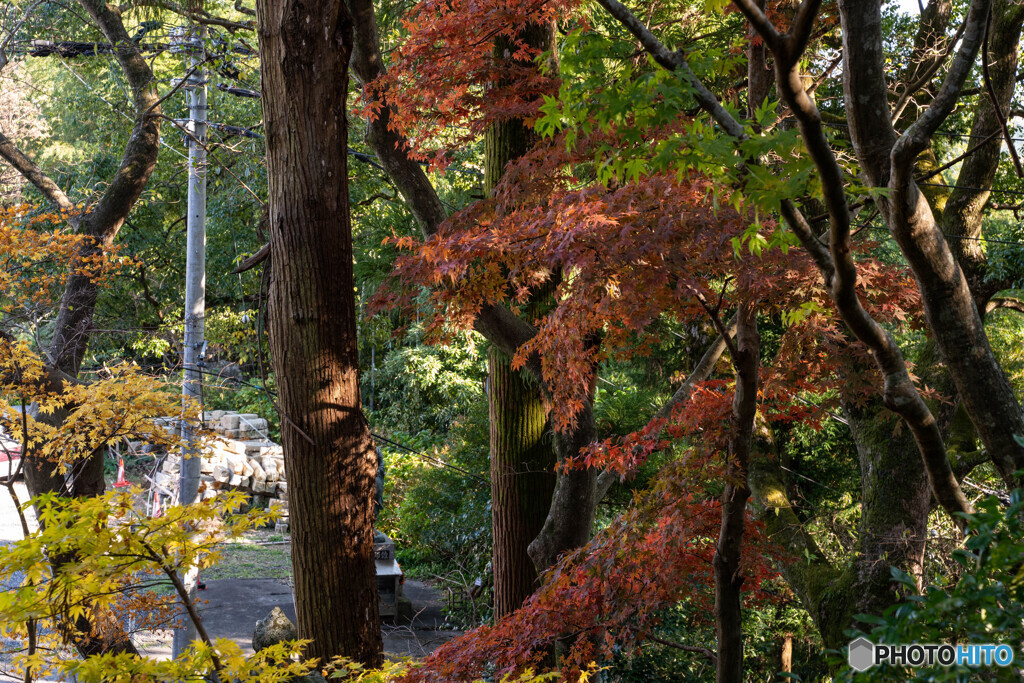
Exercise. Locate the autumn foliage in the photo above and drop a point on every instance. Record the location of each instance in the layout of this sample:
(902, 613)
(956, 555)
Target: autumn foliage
(445, 85)
(98, 568)
(624, 250)
(623, 259)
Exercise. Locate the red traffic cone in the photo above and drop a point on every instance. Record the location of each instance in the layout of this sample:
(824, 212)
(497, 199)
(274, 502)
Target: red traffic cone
(157, 511)
(121, 481)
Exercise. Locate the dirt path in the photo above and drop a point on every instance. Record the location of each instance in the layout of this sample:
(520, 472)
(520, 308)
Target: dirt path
(235, 605)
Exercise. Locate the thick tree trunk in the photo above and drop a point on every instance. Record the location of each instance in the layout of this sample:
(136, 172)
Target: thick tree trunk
(522, 479)
(896, 500)
(305, 49)
(522, 452)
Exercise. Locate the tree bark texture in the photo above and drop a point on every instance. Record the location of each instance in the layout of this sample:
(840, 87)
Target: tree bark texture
(305, 48)
(895, 502)
(887, 161)
(522, 478)
(964, 211)
(522, 452)
(728, 552)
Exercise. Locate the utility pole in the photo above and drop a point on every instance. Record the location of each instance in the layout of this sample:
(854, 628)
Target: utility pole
(192, 44)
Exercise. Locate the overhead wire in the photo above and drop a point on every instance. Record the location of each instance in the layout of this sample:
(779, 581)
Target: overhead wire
(870, 226)
(942, 133)
(431, 458)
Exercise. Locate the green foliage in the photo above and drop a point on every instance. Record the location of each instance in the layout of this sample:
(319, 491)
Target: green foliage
(1005, 330)
(986, 605)
(630, 110)
(764, 629)
(426, 388)
(437, 499)
(117, 564)
(1005, 258)
(440, 517)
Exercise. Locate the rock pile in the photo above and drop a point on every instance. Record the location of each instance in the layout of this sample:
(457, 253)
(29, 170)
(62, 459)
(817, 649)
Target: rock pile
(241, 457)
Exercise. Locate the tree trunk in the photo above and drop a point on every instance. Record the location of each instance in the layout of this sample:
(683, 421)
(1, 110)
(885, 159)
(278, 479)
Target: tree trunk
(522, 479)
(895, 502)
(728, 552)
(305, 49)
(522, 453)
(569, 521)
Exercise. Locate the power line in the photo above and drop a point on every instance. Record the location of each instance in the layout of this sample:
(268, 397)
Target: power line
(1016, 193)
(942, 133)
(439, 461)
(869, 226)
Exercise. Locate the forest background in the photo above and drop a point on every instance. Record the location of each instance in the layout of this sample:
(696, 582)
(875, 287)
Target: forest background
(637, 351)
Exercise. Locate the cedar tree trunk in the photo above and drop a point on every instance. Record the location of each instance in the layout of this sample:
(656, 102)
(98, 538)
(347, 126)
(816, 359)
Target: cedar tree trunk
(522, 479)
(305, 49)
(522, 453)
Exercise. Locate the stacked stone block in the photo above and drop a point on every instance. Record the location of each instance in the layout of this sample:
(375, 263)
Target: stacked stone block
(240, 457)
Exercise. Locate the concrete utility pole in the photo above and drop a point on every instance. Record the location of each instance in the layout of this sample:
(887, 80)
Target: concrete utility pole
(195, 294)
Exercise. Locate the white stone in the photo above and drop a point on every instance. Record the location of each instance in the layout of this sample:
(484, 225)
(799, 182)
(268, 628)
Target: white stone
(257, 470)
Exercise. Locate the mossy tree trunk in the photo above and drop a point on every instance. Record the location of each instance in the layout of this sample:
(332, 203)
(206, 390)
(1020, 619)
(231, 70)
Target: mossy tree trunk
(895, 504)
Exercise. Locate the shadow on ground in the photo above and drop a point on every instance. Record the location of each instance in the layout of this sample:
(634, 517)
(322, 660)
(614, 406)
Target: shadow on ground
(231, 608)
